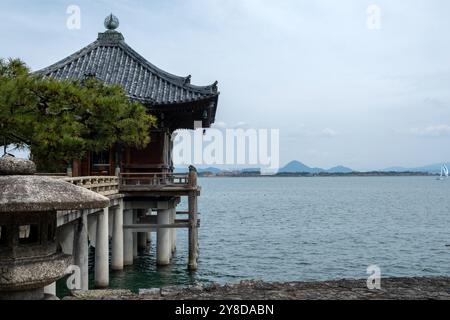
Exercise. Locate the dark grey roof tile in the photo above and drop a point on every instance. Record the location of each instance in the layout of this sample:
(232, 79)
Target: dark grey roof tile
(111, 60)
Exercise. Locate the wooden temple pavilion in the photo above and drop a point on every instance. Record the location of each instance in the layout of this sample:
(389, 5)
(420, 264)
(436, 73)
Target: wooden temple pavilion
(175, 102)
(145, 177)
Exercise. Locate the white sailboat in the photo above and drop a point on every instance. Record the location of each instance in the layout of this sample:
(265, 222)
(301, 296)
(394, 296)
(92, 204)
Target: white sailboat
(444, 172)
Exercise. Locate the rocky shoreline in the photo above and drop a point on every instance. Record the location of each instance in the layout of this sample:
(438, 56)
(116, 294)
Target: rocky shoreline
(392, 289)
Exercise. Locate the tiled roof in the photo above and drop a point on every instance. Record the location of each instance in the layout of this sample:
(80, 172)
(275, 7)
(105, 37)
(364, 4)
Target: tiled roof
(111, 60)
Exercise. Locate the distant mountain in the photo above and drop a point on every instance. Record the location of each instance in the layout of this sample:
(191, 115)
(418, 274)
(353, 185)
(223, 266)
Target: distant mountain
(395, 169)
(340, 169)
(296, 167)
(251, 170)
(299, 167)
(432, 168)
(210, 169)
(200, 170)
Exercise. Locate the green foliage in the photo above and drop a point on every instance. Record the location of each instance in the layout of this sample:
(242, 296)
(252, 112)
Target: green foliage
(63, 120)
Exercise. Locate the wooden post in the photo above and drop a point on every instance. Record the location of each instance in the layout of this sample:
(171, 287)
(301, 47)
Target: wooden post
(192, 231)
(128, 239)
(101, 278)
(117, 239)
(193, 220)
(81, 250)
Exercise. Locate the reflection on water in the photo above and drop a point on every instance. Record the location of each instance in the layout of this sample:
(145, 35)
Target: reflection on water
(145, 274)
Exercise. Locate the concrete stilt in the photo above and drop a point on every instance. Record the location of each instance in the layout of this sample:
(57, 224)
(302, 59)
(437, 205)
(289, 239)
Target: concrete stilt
(117, 258)
(128, 239)
(65, 236)
(135, 236)
(173, 231)
(163, 242)
(81, 250)
(149, 238)
(142, 236)
(135, 247)
(102, 251)
(92, 229)
(142, 241)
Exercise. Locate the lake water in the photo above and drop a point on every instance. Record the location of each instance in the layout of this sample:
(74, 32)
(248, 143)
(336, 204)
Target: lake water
(295, 229)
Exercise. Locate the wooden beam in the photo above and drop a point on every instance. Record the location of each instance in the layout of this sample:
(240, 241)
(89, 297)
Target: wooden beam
(152, 227)
(186, 212)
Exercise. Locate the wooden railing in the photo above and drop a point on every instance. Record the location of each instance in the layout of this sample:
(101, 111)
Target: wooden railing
(110, 185)
(153, 179)
(105, 186)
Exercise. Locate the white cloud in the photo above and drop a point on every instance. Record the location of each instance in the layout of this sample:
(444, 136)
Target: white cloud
(431, 131)
(304, 131)
(329, 133)
(317, 153)
(434, 102)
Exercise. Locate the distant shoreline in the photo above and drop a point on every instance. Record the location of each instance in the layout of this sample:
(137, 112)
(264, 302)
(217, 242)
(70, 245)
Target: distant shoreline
(314, 175)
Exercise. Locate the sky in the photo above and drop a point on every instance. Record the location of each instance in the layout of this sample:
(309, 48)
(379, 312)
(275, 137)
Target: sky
(344, 85)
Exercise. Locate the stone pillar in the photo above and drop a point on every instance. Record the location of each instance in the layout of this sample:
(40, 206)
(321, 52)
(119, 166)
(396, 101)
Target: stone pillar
(102, 251)
(174, 230)
(128, 239)
(81, 250)
(117, 258)
(163, 242)
(149, 235)
(142, 236)
(135, 237)
(65, 235)
(142, 241)
(149, 239)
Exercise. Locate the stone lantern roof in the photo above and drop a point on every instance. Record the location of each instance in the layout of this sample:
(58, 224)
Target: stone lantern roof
(32, 202)
(20, 191)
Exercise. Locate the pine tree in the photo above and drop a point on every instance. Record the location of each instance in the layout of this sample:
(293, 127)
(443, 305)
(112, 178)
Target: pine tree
(60, 121)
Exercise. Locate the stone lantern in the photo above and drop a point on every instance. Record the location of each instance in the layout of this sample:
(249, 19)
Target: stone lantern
(29, 255)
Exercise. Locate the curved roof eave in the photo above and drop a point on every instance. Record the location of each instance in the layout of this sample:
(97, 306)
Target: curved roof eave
(180, 81)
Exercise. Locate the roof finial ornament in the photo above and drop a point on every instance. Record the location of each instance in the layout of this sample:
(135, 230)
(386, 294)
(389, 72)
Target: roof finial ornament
(111, 22)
